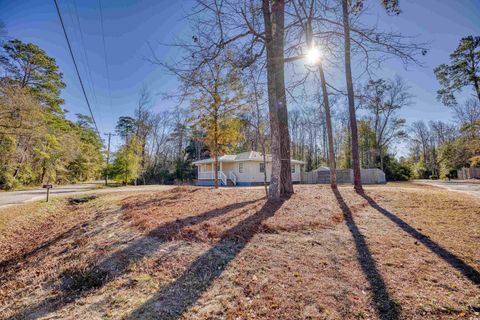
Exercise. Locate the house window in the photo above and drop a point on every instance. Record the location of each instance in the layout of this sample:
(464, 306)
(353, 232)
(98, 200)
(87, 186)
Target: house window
(293, 168)
(240, 167)
(262, 167)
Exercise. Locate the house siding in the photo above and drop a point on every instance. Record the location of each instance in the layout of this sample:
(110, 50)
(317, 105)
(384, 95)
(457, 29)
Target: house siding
(251, 174)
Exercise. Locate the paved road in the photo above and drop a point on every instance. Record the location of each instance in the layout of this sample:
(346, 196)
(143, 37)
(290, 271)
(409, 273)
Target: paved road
(18, 197)
(464, 186)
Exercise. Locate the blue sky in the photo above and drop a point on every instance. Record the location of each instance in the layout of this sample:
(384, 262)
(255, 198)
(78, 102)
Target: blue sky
(130, 25)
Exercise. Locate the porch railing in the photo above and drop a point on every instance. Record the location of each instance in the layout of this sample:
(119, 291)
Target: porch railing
(222, 176)
(233, 177)
(210, 175)
(205, 175)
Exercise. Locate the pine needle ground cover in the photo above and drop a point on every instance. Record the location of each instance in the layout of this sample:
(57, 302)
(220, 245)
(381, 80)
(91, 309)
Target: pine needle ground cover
(398, 251)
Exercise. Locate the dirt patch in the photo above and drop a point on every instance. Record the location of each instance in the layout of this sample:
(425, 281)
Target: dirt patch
(84, 199)
(401, 251)
(85, 279)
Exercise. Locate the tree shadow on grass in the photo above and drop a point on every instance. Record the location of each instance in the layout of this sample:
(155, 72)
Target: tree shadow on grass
(174, 299)
(13, 261)
(118, 262)
(465, 269)
(386, 308)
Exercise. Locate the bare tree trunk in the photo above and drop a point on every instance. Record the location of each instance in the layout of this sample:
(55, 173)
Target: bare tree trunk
(274, 190)
(285, 186)
(44, 171)
(328, 122)
(281, 178)
(357, 180)
(215, 167)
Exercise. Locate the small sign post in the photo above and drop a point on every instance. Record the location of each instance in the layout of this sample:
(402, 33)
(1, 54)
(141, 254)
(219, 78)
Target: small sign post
(48, 187)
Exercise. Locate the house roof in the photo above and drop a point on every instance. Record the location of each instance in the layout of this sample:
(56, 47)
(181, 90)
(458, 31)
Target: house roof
(244, 156)
(321, 169)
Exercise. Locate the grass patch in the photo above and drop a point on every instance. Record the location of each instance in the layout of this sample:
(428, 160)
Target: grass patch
(11, 216)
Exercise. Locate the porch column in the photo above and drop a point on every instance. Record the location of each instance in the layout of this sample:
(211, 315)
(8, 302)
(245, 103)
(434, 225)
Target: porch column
(221, 167)
(213, 171)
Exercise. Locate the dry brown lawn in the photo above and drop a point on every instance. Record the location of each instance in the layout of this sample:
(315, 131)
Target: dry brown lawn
(402, 251)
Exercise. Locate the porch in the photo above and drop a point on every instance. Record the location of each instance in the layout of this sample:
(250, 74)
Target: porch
(224, 178)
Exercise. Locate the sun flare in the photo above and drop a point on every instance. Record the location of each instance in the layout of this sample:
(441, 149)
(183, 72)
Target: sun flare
(313, 55)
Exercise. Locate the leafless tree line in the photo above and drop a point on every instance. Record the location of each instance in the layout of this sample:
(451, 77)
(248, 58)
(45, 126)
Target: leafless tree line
(276, 36)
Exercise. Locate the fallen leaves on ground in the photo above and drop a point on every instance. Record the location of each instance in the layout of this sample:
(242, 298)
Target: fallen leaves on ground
(201, 253)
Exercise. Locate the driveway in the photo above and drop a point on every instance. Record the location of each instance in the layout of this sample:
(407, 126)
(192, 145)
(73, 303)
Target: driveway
(19, 197)
(464, 186)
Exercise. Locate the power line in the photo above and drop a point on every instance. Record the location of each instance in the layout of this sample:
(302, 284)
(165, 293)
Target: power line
(75, 64)
(83, 57)
(87, 63)
(105, 55)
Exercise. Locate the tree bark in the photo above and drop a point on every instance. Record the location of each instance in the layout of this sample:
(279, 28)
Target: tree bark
(215, 166)
(281, 177)
(260, 137)
(357, 180)
(328, 122)
(286, 186)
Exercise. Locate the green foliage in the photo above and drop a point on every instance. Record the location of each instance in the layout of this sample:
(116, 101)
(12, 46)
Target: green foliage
(345, 158)
(396, 170)
(438, 150)
(29, 66)
(126, 127)
(218, 96)
(419, 170)
(126, 166)
(472, 142)
(183, 170)
(453, 156)
(37, 143)
(367, 144)
(88, 163)
(464, 70)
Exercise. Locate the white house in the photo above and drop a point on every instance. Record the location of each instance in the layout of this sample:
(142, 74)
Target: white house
(243, 169)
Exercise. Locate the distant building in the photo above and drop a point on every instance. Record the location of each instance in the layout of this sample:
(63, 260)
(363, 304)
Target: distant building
(243, 169)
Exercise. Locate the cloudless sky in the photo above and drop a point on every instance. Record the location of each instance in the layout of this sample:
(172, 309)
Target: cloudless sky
(131, 24)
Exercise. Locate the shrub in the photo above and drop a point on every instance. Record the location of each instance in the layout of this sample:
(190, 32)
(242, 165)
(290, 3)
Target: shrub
(397, 170)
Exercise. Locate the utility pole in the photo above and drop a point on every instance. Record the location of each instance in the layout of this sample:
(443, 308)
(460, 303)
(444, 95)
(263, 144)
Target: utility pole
(108, 156)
